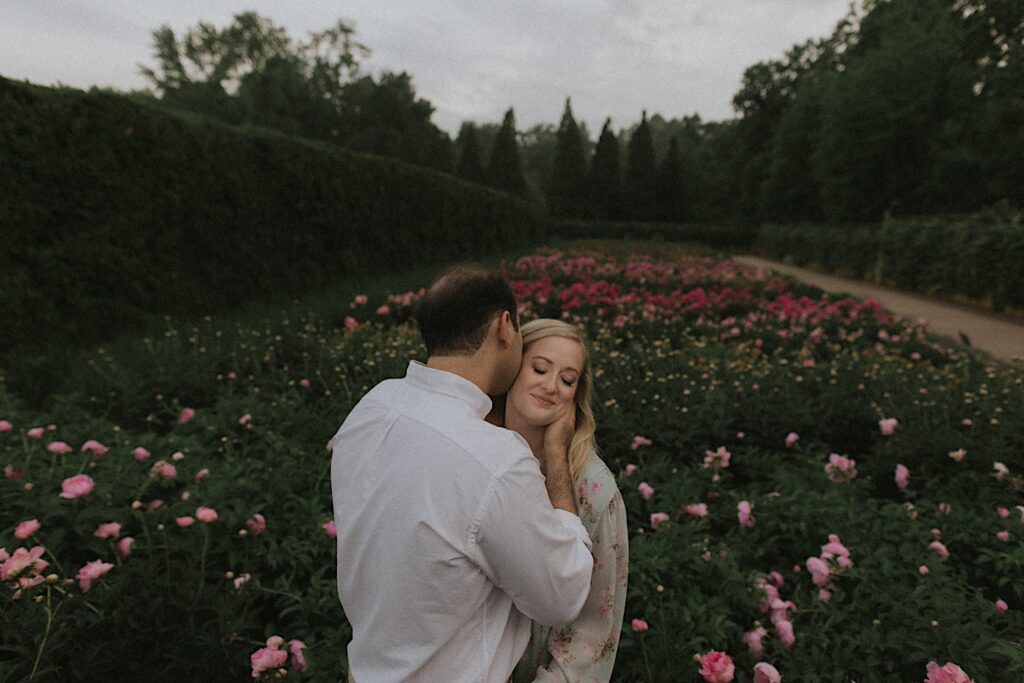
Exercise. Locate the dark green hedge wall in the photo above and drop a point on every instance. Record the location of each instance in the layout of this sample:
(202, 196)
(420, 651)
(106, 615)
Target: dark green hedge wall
(718, 236)
(978, 257)
(111, 211)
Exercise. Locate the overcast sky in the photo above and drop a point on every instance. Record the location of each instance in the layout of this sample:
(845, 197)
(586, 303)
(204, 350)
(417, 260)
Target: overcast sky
(471, 58)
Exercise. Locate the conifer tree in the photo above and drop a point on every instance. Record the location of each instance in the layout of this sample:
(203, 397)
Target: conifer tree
(505, 169)
(566, 197)
(670, 197)
(641, 182)
(471, 166)
(605, 179)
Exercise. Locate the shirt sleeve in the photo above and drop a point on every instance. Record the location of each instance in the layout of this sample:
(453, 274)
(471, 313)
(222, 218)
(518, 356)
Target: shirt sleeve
(584, 651)
(538, 555)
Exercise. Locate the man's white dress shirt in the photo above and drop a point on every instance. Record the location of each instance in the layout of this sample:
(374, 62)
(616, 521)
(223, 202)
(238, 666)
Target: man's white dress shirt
(447, 542)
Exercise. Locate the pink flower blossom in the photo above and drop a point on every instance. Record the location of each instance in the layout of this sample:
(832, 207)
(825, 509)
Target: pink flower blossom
(92, 571)
(939, 549)
(776, 579)
(205, 514)
(902, 477)
(141, 454)
(124, 547)
(95, 447)
(888, 426)
(717, 667)
(15, 474)
(743, 512)
(1001, 471)
(835, 549)
(257, 524)
(824, 595)
(298, 660)
(948, 673)
(639, 625)
(185, 521)
(646, 490)
(958, 455)
(791, 439)
(351, 323)
(109, 530)
(657, 518)
(331, 529)
(245, 419)
(752, 639)
(76, 486)
(640, 441)
(1001, 606)
(304, 383)
(819, 570)
(58, 447)
(177, 456)
(630, 469)
(923, 570)
(383, 309)
(35, 433)
(5, 426)
(241, 580)
(186, 416)
(26, 529)
(784, 628)
(697, 510)
(1003, 536)
(840, 468)
(202, 474)
(163, 469)
(1002, 512)
(265, 659)
(22, 564)
(717, 459)
(766, 673)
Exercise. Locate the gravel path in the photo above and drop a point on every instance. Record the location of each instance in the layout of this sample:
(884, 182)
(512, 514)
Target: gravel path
(1000, 337)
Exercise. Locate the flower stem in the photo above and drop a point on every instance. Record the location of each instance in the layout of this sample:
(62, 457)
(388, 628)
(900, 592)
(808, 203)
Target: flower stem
(46, 634)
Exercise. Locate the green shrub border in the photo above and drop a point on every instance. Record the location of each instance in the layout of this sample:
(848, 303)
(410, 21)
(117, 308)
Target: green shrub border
(716, 236)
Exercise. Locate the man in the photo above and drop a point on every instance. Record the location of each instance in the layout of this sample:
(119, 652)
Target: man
(450, 539)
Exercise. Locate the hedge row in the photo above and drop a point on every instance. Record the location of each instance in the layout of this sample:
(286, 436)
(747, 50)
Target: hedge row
(111, 211)
(717, 236)
(976, 257)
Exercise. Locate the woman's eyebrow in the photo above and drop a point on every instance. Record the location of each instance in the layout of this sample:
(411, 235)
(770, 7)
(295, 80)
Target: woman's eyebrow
(550, 362)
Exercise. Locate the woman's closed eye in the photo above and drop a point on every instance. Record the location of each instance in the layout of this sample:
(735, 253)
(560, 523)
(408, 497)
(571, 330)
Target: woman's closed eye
(569, 382)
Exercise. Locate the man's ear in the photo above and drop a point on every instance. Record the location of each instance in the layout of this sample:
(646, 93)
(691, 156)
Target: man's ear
(505, 329)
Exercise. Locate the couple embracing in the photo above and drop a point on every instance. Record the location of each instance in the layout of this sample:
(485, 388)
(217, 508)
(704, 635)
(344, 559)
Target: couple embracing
(480, 539)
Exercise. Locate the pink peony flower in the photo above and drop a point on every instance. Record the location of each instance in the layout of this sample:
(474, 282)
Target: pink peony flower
(717, 667)
(945, 508)
(1003, 536)
(1001, 606)
(958, 455)
(791, 439)
(58, 447)
(923, 570)
(645, 490)
(834, 548)
(92, 571)
(241, 580)
(141, 454)
(888, 426)
(717, 459)
(186, 416)
(22, 564)
(697, 510)
(15, 474)
(383, 309)
(1002, 512)
(824, 595)
(304, 383)
(766, 673)
(351, 323)
(840, 469)
(245, 419)
(630, 469)
(163, 469)
(902, 477)
(109, 530)
(743, 512)
(1001, 471)
(185, 521)
(639, 625)
(776, 579)
(948, 673)
(95, 447)
(265, 659)
(124, 547)
(784, 628)
(35, 433)
(331, 529)
(202, 474)
(76, 486)
(257, 524)
(819, 570)
(26, 529)
(752, 639)
(205, 514)
(657, 518)
(939, 549)
(5, 426)
(298, 661)
(640, 441)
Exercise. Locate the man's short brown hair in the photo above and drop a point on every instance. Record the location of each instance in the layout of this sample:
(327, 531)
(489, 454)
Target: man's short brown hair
(459, 306)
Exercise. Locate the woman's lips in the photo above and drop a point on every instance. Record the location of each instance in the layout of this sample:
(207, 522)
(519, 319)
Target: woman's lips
(544, 401)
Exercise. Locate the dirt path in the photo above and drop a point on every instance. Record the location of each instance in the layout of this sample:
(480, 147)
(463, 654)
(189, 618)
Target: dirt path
(1003, 339)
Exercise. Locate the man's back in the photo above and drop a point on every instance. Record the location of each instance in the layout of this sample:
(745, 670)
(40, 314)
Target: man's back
(445, 536)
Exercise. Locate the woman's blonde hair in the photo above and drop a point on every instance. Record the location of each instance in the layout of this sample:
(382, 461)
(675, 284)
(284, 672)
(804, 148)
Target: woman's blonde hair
(584, 441)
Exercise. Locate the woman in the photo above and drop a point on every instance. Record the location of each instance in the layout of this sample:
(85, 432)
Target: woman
(555, 377)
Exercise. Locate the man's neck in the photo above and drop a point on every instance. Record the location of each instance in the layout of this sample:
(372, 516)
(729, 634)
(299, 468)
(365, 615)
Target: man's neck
(469, 368)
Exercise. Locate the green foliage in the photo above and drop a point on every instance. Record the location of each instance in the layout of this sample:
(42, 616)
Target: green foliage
(640, 183)
(670, 200)
(504, 169)
(845, 249)
(111, 211)
(715, 236)
(470, 167)
(605, 180)
(566, 193)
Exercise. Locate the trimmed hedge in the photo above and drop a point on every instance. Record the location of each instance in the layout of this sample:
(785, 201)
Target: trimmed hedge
(718, 236)
(977, 257)
(112, 211)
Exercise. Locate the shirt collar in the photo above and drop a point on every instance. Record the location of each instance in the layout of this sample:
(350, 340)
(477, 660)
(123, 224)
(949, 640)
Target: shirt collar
(449, 384)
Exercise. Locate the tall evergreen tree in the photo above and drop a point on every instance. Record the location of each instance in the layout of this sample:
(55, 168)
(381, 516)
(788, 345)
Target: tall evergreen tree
(670, 196)
(641, 182)
(569, 172)
(471, 166)
(505, 169)
(605, 179)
